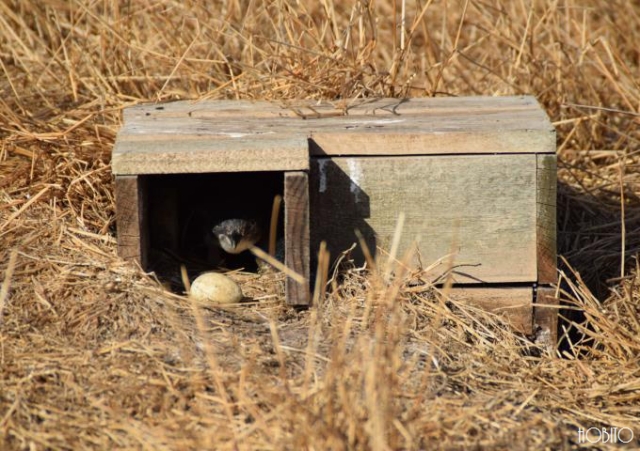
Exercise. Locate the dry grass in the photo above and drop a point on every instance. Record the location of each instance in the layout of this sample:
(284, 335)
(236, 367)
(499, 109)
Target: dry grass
(95, 355)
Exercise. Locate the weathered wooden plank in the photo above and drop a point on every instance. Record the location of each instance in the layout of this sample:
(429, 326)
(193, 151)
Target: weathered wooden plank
(296, 232)
(457, 106)
(545, 316)
(480, 209)
(131, 218)
(434, 124)
(432, 140)
(415, 135)
(546, 218)
(311, 109)
(250, 136)
(514, 303)
(149, 112)
(177, 154)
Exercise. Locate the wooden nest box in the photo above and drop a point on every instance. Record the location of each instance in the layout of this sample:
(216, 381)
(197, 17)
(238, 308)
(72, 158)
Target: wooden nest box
(475, 179)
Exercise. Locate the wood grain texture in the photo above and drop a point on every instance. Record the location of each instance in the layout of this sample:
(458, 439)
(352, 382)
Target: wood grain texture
(545, 316)
(421, 133)
(464, 125)
(312, 109)
(214, 109)
(217, 136)
(177, 154)
(546, 218)
(481, 209)
(514, 303)
(296, 204)
(425, 140)
(131, 219)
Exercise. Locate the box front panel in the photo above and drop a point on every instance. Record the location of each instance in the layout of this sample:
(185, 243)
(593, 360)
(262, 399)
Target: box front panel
(475, 215)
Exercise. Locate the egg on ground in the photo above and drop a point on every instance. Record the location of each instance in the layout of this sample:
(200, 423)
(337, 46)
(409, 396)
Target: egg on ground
(216, 288)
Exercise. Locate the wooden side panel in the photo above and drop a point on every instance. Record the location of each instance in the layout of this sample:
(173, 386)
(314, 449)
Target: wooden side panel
(545, 317)
(131, 218)
(546, 219)
(514, 303)
(296, 218)
(477, 211)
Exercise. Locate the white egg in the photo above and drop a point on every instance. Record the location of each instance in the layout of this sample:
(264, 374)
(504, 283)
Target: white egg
(216, 288)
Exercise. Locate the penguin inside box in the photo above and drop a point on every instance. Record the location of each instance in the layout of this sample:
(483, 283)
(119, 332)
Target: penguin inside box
(210, 221)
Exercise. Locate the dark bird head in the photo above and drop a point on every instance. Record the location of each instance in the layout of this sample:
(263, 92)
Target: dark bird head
(237, 235)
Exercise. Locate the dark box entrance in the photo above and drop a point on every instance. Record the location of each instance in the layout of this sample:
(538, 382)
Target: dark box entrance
(183, 208)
